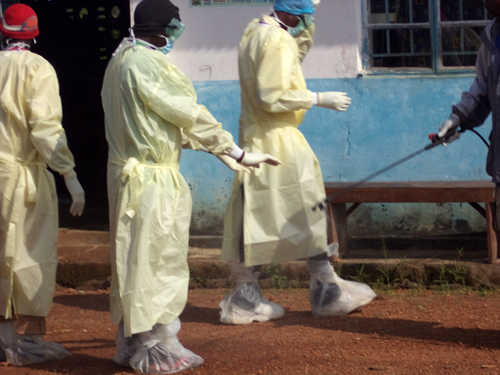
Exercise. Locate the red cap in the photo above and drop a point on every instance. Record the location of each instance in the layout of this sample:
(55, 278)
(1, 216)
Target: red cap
(19, 21)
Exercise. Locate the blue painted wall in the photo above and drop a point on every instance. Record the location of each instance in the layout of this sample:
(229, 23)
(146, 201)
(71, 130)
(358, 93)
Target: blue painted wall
(389, 119)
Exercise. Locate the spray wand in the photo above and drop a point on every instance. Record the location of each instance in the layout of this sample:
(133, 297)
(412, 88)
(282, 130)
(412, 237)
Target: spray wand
(435, 141)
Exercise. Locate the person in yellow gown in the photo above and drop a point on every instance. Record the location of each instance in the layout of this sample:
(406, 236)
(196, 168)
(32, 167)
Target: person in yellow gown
(31, 137)
(151, 113)
(278, 215)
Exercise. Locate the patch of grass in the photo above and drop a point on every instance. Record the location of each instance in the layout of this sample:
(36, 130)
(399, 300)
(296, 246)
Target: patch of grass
(197, 279)
(458, 273)
(360, 276)
(443, 282)
(384, 280)
(451, 276)
(278, 279)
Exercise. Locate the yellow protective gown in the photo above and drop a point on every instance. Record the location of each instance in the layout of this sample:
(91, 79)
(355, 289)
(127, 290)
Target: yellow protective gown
(31, 136)
(150, 111)
(274, 208)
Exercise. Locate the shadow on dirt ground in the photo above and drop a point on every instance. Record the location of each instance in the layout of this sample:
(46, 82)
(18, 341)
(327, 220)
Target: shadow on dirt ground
(400, 332)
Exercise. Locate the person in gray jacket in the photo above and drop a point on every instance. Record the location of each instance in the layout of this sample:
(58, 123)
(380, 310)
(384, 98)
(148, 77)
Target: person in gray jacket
(483, 97)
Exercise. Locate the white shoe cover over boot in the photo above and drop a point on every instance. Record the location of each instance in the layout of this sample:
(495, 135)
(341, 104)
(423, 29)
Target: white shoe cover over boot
(160, 352)
(245, 304)
(24, 350)
(330, 295)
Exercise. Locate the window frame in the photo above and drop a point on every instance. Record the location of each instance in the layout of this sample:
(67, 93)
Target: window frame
(435, 27)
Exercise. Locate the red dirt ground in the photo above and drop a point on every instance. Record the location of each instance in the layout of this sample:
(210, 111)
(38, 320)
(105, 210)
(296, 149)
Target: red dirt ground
(401, 332)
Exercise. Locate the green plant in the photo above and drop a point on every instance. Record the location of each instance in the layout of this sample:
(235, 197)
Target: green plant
(385, 279)
(482, 291)
(360, 275)
(443, 282)
(274, 271)
(197, 279)
(455, 274)
(458, 273)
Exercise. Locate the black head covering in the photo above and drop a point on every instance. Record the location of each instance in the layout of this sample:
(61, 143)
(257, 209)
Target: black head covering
(151, 17)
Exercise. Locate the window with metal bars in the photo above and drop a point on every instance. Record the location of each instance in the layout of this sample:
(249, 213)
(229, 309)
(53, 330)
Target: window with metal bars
(423, 35)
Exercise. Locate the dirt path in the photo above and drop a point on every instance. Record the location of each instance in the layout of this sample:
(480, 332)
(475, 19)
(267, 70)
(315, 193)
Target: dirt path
(401, 332)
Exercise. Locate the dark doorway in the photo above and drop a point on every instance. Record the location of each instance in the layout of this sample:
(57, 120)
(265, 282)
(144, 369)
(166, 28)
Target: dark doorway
(78, 38)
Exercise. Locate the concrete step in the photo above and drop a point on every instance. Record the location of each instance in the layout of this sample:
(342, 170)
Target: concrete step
(84, 262)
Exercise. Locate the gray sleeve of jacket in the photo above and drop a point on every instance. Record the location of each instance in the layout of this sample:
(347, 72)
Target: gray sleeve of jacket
(475, 106)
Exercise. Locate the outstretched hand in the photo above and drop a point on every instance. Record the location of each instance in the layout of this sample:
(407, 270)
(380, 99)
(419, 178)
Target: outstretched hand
(233, 164)
(253, 159)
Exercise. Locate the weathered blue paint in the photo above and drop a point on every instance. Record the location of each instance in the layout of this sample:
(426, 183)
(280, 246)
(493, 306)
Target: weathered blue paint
(389, 119)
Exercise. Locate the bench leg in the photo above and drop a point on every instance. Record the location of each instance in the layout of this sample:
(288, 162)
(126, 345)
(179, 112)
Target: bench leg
(338, 226)
(491, 234)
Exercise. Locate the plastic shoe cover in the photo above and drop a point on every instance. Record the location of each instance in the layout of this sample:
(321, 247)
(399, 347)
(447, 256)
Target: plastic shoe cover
(125, 346)
(160, 352)
(330, 295)
(24, 350)
(245, 305)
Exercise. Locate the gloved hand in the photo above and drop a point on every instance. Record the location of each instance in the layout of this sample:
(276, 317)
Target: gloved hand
(233, 164)
(338, 101)
(77, 193)
(316, 3)
(253, 159)
(450, 123)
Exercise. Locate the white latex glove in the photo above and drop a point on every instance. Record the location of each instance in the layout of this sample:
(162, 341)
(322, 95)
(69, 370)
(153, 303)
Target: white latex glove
(253, 159)
(233, 164)
(77, 193)
(450, 123)
(316, 3)
(338, 101)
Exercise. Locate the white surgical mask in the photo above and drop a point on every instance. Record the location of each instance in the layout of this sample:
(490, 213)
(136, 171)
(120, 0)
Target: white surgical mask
(305, 21)
(168, 46)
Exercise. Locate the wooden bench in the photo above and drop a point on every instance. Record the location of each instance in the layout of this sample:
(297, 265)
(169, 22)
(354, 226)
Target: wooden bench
(472, 192)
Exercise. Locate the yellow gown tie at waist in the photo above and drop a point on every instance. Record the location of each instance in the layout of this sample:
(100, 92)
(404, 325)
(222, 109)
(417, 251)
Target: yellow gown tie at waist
(29, 179)
(133, 171)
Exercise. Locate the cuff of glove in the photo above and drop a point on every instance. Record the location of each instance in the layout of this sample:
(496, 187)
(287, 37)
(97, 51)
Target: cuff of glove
(70, 175)
(236, 153)
(315, 98)
(240, 159)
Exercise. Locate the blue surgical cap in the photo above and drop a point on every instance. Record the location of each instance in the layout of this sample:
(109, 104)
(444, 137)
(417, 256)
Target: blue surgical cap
(295, 7)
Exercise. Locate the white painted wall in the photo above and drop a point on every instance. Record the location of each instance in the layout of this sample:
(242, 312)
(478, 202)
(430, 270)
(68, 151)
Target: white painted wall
(207, 51)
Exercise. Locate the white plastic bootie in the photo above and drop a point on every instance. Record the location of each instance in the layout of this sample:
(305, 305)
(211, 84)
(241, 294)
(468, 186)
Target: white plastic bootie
(330, 295)
(125, 346)
(245, 304)
(24, 350)
(160, 352)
